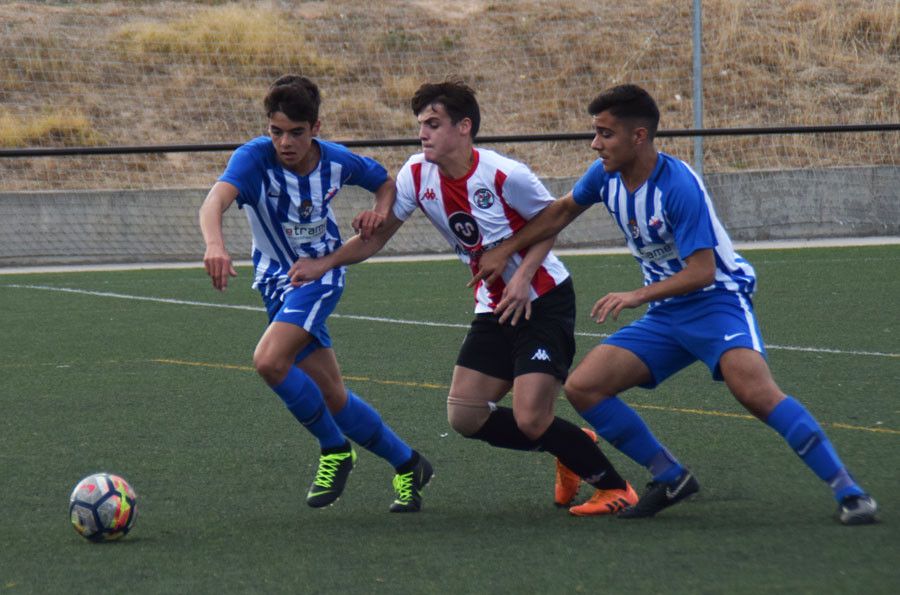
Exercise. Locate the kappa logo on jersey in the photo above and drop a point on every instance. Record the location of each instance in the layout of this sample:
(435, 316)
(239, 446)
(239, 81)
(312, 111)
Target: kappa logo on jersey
(634, 229)
(541, 355)
(464, 228)
(484, 198)
(655, 222)
(429, 194)
(306, 208)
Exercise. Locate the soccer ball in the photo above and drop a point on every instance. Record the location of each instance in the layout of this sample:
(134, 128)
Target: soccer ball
(102, 507)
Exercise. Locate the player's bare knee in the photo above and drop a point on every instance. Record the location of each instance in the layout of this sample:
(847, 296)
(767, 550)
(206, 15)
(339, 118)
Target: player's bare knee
(760, 401)
(580, 396)
(335, 397)
(270, 369)
(466, 416)
(757, 393)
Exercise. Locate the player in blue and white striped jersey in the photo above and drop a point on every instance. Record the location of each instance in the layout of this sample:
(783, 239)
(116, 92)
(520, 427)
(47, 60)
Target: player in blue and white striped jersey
(699, 294)
(290, 214)
(661, 221)
(285, 183)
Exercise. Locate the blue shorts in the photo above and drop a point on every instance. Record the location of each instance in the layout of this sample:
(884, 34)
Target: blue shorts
(308, 307)
(670, 337)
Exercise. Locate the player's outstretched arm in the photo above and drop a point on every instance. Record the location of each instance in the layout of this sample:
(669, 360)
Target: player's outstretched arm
(699, 271)
(547, 224)
(366, 222)
(216, 260)
(355, 250)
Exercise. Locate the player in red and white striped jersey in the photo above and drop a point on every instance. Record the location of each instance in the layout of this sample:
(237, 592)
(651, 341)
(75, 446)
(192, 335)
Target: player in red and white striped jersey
(488, 203)
(477, 198)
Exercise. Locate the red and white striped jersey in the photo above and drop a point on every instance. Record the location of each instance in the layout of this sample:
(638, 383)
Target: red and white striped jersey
(491, 202)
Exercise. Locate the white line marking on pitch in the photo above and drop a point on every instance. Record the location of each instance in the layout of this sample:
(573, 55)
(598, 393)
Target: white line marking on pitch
(390, 320)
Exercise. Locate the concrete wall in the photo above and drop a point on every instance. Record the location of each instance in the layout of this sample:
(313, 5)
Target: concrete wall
(39, 228)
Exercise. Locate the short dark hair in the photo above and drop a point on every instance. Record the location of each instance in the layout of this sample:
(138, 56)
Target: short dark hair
(296, 97)
(457, 98)
(628, 102)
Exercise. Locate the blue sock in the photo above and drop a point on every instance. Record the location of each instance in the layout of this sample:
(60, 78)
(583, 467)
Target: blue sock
(304, 399)
(622, 427)
(801, 431)
(361, 422)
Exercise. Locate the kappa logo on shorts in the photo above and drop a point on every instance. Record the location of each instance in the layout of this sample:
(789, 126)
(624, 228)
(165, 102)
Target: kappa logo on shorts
(541, 355)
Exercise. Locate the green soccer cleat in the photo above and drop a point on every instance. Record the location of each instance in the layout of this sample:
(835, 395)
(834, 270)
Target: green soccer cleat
(331, 477)
(409, 487)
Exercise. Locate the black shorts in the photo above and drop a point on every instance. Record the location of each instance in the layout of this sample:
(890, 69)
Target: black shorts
(545, 343)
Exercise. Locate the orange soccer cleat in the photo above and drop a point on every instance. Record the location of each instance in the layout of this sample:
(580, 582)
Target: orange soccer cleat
(607, 502)
(567, 481)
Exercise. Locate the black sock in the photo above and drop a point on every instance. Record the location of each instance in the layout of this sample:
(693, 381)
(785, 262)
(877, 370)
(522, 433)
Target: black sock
(501, 430)
(408, 465)
(575, 449)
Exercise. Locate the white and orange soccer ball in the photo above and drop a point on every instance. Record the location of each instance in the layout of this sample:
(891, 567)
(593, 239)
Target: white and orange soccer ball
(102, 507)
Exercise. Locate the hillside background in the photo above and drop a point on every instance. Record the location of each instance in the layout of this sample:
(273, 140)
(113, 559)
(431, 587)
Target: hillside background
(131, 73)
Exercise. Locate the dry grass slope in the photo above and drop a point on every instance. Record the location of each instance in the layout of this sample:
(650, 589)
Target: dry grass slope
(122, 72)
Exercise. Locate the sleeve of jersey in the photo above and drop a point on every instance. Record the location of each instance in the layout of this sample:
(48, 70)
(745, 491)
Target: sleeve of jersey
(405, 203)
(243, 173)
(364, 171)
(588, 190)
(525, 193)
(687, 211)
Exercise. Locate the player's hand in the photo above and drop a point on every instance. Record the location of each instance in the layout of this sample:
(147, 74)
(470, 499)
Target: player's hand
(366, 222)
(305, 270)
(514, 302)
(219, 267)
(490, 266)
(612, 304)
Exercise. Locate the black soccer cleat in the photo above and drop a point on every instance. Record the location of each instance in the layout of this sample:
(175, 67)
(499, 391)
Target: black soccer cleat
(661, 495)
(857, 510)
(331, 477)
(409, 487)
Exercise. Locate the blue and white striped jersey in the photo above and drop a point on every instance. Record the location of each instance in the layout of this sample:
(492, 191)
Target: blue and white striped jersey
(666, 220)
(290, 215)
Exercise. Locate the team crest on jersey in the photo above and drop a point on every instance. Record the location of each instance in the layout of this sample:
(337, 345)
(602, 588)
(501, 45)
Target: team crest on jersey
(306, 208)
(634, 229)
(464, 228)
(484, 198)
